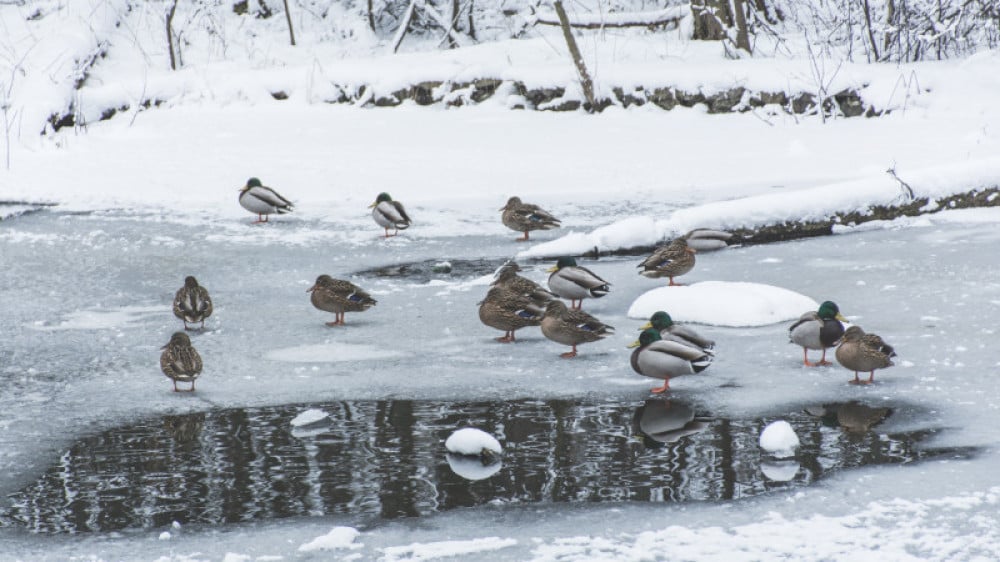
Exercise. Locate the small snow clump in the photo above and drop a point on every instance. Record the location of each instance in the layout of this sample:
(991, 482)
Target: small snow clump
(779, 439)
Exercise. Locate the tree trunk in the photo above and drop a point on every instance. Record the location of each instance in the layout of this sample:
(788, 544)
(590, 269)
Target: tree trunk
(742, 32)
(890, 21)
(574, 51)
(868, 24)
(453, 23)
(711, 19)
(472, 21)
(371, 16)
(288, 17)
(170, 34)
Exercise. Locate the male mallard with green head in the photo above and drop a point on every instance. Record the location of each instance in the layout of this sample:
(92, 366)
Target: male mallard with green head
(258, 198)
(192, 303)
(509, 311)
(572, 327)
(339, 296)
(180, 361)
(864, 352)
(389, 213)
(673, 260)
(574, 282)
(525, 217)
(664, 359)
(662, 321)
(819, 329)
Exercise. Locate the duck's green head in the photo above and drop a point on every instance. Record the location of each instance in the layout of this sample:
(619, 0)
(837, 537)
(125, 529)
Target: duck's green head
(659, 320)
(252, 182)
(563, 262)
(648, 336)
(829, 310)
(383, 197)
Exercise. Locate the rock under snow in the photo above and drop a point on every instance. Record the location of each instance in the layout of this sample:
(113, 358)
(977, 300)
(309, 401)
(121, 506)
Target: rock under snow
(723, 303)
(779, 439)
(472, 442)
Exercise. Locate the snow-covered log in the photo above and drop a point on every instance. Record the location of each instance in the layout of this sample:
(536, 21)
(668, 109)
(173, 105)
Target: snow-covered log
(673, 14)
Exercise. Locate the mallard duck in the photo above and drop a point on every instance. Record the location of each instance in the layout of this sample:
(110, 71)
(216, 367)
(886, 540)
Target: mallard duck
(388, 213)
(572, 327)
(864, 352)
(509, 311)
(180, 361)
(662, 321)
(574, 282)
(818, 329)
(707, 239)
(673, 260)
(663, 359)
(263, 200)
(339, 296)
(525, 217)
(507, 277)
(192, 303)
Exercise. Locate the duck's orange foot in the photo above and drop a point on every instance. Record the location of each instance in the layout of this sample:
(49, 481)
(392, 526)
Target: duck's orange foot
(504, 339)
(661, 389)
(337, 323)
(568, 354)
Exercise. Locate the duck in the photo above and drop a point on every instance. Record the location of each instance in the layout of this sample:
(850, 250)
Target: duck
(339, 296)
(507, 276)
(525, 217)
(258, 198)
(509, 311)
(571, 281)
(673, 260)
(389, 213)
(662, 321)
(192, 303)
(818, 329)
(180, 361)
(572, 327)
(860, 351)
(665, 359)
(707, 239)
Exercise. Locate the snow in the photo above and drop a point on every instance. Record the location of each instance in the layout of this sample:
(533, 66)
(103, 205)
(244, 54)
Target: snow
(151, 195)
(723, 303)
(779, 439)
(308, 417)
(443, 549)
(337, 538)
(472, 441)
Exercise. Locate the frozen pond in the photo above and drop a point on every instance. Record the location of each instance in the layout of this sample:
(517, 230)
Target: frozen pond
(86, 309)
(382, 460)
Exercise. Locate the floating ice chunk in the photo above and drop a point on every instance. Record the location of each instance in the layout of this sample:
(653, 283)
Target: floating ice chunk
(165, 536)
(779, 439)
(309, 417)
(724, 303)
(473, 442)
(338, 537)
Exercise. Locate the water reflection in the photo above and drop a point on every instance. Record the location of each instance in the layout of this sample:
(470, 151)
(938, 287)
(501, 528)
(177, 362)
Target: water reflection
(386, 459)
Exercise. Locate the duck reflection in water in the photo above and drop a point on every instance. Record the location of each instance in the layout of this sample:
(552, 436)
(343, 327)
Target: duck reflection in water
(660, 422)
(853, 417)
